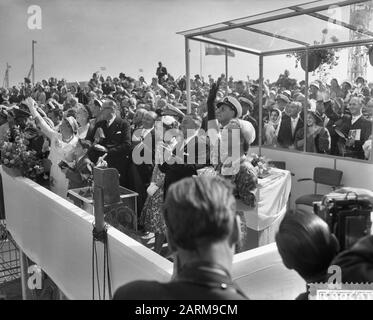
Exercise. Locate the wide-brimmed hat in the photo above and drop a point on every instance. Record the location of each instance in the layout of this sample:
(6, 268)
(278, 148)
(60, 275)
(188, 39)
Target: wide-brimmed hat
(282, 97)
(233, 103)
(171, 110)
(246, 101)
(315, 84)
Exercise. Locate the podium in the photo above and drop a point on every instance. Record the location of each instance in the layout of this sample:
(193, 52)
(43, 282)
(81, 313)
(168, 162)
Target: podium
(107, 200)
(260, 224)
(83, 198)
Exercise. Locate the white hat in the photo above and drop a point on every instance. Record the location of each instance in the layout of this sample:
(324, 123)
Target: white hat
(232, 103)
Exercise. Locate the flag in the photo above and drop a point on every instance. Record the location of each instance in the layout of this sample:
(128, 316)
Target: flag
(211, 49)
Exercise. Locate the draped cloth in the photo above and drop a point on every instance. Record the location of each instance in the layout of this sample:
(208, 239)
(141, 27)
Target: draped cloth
(272, 196)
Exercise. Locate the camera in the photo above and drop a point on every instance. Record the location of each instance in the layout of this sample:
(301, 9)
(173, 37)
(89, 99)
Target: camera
(348, 212)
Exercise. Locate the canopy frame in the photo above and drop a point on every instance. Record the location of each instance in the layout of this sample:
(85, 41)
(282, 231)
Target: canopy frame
(200, 34)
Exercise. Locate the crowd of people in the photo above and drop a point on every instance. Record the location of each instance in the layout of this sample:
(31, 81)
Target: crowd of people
(181, 163)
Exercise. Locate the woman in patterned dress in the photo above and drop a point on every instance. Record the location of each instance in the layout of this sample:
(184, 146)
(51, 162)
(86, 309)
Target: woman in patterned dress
(151, 215)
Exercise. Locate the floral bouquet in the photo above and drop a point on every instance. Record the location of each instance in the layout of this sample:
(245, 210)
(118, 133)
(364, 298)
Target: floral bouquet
(260, 164)
(16, 155)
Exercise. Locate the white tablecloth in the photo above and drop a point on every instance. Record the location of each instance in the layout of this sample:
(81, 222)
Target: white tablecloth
(272, 196)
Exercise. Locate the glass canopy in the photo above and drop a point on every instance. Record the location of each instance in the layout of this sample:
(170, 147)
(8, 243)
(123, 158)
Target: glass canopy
(309, 25)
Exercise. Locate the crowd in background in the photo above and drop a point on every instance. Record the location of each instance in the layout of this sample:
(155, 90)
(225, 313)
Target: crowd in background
(337, 121)
(77, 127)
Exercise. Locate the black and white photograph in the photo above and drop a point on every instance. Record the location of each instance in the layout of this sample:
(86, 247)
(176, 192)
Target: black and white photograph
(204, 151)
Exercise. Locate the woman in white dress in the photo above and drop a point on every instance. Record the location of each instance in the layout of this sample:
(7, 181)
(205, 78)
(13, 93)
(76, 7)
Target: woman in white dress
(83, 117)
(61, 147)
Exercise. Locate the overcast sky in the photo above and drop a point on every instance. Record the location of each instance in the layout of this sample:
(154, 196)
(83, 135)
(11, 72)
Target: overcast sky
(80, 36)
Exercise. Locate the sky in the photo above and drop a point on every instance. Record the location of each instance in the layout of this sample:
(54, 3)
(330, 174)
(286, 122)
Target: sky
(77, 37)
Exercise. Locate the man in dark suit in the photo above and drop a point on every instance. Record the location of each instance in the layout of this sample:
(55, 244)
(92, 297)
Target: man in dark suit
(189, 155)
(353, 128)
(202, 231)
(290, 124)
(143, 155)
(116, 140)
(360, 129)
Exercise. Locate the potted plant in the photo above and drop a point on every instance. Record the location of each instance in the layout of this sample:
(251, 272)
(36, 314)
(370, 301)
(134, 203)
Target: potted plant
(318, 57)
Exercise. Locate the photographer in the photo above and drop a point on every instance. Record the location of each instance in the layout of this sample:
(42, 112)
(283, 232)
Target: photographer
(357, 263)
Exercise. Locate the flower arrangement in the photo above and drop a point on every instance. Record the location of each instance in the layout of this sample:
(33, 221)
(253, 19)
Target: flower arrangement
(16, 155)
(260, 164)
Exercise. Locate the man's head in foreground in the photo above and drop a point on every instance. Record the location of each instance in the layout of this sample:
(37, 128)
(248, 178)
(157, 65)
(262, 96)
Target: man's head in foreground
(201, 220)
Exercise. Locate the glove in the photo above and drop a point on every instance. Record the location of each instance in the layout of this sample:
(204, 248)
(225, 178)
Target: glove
(152, 189)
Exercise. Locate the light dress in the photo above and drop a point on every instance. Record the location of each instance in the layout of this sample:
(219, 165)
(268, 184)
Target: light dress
(60, 150)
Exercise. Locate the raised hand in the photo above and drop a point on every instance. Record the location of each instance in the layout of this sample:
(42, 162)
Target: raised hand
(213, 91)
(31, 104)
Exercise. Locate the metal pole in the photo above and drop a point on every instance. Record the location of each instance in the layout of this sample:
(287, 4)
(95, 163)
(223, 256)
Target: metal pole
(24, 275)
(33, 62)
(200, 59)
(305, 109)
(187, 73)
(371, 152)
(226, 70)
(260, 103)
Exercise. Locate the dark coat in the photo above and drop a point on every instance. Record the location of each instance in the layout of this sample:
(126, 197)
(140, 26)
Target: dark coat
(190, 284)
(177, 171)
(118, 142)
(141, 174)
(365, 128)
(285, 137)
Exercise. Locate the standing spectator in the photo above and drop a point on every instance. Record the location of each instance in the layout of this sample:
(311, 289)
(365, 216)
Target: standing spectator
(271, 128)
(247, 111)
(161, 73)
(62, 146)
(83, 117)
(290, 124)
(116, 140)
(360, 129)
(318, 137)
(189, 155)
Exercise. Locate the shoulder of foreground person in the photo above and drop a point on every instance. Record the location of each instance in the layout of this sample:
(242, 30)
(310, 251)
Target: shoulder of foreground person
(139, 290)
(174, 290)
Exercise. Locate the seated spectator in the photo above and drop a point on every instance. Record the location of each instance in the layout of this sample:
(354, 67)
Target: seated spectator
(202, 230)
(357, 263)
(306, 245)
